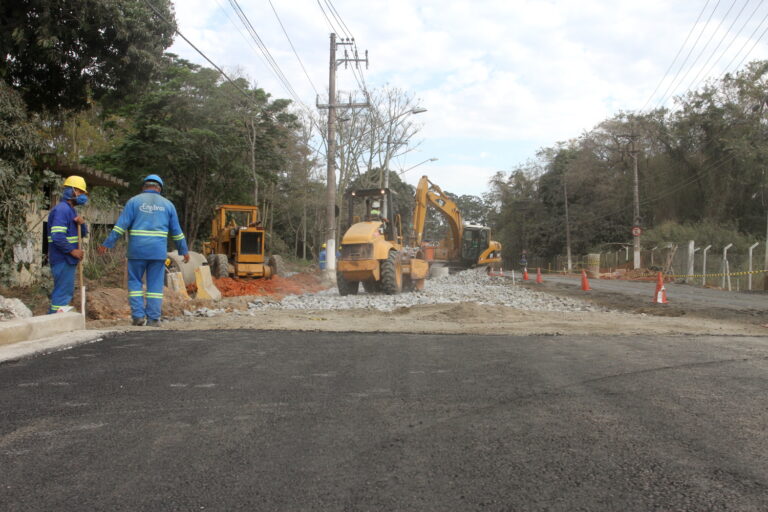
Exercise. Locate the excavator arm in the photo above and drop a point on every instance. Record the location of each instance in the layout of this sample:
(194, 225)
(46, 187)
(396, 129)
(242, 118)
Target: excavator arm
(427, 193)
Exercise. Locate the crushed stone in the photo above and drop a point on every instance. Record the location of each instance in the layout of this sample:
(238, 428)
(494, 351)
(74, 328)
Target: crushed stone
(467, 286)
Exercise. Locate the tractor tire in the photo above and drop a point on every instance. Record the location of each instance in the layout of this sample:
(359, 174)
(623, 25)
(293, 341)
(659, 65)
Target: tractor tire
(219, 265)
(346, 287)
(371, 286)
(278, 266)
(392, 274)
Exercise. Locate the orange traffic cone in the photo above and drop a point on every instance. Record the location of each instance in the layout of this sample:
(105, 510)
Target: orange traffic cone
(584, 282)
(660, 296)
(525, 274)
(539, 279)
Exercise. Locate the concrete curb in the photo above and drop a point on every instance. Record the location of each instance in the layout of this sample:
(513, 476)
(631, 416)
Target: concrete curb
(37, 327)
(14, 351)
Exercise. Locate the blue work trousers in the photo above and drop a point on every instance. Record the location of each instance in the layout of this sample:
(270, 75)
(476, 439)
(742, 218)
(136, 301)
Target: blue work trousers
(155, 272)
(63, 285)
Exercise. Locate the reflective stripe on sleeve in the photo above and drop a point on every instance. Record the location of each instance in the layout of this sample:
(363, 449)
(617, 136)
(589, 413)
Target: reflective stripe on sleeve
(145, 232)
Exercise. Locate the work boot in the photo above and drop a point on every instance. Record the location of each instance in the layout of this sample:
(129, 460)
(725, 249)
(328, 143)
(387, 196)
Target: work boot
(140, 322)
(153, 323)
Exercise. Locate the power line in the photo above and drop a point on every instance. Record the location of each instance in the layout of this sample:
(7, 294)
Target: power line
(664, 96)
(333, 29)
(727, 31)
(735, 37)
(264, 50)
(248, 40)
(176, 30)
(741, 52)
(337, 17)
(679, 51)
(746, 43)
(293, 48)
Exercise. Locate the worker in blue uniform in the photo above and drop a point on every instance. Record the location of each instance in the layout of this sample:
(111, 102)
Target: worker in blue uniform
(148, 219)
(322, 258)
(64, 251)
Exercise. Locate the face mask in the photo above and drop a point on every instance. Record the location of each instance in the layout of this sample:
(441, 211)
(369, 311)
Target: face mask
(81, 200)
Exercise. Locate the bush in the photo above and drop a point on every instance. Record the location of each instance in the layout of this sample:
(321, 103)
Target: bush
(704, 233)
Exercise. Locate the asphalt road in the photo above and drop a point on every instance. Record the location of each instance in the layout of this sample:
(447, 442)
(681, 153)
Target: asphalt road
(248, 420)
(683, 295)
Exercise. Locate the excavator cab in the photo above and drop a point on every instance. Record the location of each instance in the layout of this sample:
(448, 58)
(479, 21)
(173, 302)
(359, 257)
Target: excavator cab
(474, 240)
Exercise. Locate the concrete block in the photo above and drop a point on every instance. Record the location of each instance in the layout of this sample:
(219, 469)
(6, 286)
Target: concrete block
(38, 327)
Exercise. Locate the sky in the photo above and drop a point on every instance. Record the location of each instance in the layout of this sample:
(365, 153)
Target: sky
(499, 78)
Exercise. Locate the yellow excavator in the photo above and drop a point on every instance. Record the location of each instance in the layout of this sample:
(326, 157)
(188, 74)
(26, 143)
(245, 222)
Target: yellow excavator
(373, 251)
(466, 245)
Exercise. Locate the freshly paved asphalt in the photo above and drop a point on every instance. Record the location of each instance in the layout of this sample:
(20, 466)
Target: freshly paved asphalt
(248, 420)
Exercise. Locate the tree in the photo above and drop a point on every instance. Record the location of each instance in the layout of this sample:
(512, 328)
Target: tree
(18, 141)
(189, 128)
(61, 54)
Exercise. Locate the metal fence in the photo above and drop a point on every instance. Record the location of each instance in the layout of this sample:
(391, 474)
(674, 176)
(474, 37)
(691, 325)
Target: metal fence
(688, 261)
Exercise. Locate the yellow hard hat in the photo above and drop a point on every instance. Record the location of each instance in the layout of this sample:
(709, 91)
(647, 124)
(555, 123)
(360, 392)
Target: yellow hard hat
(323, 246)
(76, 182)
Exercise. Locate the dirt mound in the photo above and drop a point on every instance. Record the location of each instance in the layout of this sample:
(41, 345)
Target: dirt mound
(112, 304)
(277, 286)
(106, 303)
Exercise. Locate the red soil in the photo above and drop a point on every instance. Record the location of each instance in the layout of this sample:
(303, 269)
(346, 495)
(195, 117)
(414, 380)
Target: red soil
(277, 286)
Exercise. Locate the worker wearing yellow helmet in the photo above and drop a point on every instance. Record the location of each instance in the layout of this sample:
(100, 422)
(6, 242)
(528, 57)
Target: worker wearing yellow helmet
(322, 258)
(64, 251)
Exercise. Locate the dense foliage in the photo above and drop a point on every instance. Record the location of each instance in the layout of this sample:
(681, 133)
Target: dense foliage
(61, 54)
(18, 141)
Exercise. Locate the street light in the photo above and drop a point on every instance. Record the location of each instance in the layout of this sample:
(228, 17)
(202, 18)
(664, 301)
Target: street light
(385, 167)
(413, 167)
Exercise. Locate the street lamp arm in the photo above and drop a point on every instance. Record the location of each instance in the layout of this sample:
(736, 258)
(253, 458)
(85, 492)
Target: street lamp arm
(418, 164)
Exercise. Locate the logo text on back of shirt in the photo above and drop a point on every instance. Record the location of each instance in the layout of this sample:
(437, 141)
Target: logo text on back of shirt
(151, 208)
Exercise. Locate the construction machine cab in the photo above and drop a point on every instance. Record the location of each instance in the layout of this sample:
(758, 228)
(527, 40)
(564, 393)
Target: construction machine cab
(474, 240)
(371, 201)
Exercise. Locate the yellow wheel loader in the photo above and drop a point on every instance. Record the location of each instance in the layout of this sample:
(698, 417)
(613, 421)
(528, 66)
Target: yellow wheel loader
(372, 250)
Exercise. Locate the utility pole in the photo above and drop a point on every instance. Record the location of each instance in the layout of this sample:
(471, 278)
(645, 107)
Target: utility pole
(636, 229)
(330, 244)
(567, 227)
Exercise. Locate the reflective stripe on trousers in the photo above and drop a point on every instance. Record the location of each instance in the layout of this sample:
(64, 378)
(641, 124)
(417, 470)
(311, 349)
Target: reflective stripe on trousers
(147, 304)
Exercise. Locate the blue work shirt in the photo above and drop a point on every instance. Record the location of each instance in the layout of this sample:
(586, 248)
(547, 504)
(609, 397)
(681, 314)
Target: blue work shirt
(62, 233)
(148, 219)
(321, 259)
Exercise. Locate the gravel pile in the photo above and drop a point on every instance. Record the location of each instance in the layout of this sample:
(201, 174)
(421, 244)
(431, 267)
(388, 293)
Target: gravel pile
(467, 286)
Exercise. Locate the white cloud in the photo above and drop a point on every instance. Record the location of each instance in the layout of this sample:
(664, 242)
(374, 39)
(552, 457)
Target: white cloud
(525, 72)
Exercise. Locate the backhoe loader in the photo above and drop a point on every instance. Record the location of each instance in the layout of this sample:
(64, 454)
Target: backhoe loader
(467, 245)
(373, 251)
